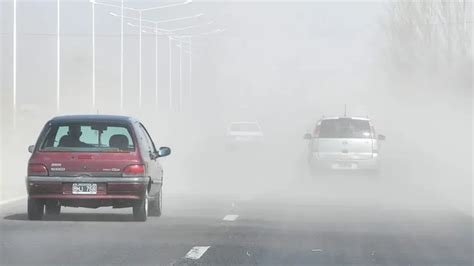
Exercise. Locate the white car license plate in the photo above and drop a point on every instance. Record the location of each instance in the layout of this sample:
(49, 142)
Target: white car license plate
(344, 166)
(84, 188)
(242, 138)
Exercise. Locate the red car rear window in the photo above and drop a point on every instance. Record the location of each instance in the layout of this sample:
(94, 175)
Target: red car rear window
(88, 137)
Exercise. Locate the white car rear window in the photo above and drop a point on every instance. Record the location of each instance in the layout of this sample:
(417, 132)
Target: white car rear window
(345, 128)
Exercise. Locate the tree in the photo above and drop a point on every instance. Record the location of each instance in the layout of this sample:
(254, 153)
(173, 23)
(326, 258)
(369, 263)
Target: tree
(426, 38)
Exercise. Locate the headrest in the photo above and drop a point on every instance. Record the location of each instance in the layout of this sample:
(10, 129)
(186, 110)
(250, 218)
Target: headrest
(119, 141)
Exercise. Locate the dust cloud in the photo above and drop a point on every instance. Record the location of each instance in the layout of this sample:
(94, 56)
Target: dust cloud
(283, 64)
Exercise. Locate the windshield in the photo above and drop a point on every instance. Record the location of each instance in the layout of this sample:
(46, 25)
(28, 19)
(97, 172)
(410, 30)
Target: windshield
(88, 137)
(345, 128)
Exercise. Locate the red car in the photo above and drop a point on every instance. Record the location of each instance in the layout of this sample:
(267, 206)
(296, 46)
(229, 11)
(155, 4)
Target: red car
(93, 161)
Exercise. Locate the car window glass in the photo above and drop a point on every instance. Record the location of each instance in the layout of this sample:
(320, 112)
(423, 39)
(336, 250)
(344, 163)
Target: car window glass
(147, 138)
(345, 128)
(111, 131)
(85, 137)
(90, 136)
(62, 131)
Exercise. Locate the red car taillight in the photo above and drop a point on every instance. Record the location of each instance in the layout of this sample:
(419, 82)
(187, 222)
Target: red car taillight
(134, 170)
(37, 170)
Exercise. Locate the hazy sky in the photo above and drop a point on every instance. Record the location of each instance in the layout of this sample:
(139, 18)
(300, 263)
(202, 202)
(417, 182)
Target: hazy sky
(263, 42)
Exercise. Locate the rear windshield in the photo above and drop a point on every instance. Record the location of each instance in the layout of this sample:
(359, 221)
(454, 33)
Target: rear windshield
(88, 137)
(345, 128)
(249, 127)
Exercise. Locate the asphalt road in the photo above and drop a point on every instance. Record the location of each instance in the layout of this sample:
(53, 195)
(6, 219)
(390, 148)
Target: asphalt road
(344, 222)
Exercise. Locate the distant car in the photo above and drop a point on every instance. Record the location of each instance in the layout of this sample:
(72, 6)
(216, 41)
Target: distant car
(93, 161)
(344, 143)
(241, 133)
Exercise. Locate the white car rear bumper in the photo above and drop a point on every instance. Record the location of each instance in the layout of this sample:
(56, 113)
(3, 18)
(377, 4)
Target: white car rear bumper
(344, 164)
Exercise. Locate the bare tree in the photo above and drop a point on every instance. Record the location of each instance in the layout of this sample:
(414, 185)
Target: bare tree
(426, 37)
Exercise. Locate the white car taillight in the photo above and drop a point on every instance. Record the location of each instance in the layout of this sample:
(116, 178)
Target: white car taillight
(375, 153)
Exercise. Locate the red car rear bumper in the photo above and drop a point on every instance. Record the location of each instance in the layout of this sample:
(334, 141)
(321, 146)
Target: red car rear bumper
(108, 188)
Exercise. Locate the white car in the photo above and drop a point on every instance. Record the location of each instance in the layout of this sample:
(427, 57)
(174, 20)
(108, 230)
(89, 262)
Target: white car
(344, 143)
(244, 133)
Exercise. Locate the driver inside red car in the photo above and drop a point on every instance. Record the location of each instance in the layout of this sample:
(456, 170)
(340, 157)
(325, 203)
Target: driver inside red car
(72, 139)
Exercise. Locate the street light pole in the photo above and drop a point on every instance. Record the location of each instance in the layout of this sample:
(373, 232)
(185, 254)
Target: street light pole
(180, 73)
(14, 64)
(93, 56)
(58, 55)
(140, 11)
(180, 76)
(156, 65)
(181, 70)
(121, 56)
(157, 32)
(140, 62)
(190, 66)
(170, 90)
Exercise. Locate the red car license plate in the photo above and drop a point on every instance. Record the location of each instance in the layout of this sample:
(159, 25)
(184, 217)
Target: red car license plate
(84, 188)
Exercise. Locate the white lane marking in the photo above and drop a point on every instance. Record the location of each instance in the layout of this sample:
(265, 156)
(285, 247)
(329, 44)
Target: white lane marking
(12, 200)
(317, 250)
(230, 217)
(196, 252)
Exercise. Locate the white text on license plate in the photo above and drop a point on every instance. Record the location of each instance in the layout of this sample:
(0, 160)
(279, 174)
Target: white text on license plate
(84, 188)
